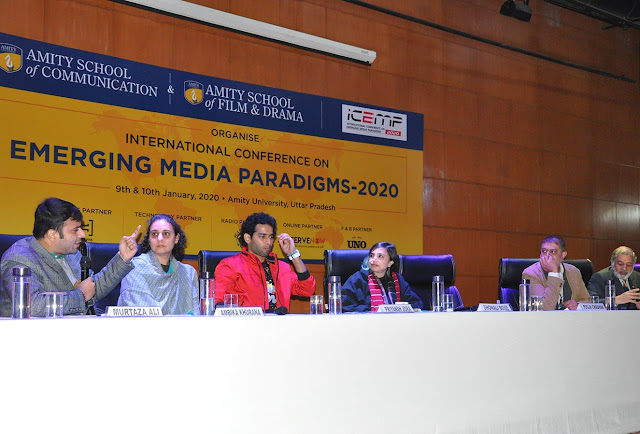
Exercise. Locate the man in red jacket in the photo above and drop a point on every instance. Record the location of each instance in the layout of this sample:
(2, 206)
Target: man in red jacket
(256, 274)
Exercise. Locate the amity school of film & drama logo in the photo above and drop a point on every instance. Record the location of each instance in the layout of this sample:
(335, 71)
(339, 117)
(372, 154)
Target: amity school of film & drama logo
(10, 57)
(193, 92)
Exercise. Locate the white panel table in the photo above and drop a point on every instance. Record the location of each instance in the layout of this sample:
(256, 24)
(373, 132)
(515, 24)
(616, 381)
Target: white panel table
(514, 372)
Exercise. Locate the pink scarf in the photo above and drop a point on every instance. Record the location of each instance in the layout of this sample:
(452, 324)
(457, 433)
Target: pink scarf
(377, 291)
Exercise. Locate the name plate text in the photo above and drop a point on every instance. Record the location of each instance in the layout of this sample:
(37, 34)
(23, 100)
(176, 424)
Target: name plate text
(395, 308)
(591, 306)
(494, 307)
(134, 311)
(239, 311)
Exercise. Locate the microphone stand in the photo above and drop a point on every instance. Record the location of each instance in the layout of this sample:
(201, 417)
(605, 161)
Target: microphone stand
(85, 269)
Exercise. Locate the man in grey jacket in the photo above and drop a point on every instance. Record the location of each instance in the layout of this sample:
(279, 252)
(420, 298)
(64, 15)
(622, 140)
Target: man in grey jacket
(53, 258)
(625, 279)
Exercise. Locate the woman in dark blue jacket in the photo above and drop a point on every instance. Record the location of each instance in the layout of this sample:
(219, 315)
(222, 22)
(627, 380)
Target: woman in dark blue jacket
(378, 282)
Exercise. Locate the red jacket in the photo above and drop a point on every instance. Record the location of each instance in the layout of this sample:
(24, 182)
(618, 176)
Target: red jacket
(243, 274)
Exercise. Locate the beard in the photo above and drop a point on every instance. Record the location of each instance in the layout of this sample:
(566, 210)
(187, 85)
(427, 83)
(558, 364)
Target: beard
(618, 274)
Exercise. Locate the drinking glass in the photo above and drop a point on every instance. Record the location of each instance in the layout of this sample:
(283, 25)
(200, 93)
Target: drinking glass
(448, 302)
(536, 303)
(317, 304)
(231, 300)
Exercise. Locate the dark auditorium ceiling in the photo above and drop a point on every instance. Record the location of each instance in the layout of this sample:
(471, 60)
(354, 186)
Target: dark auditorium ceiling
(616, 13)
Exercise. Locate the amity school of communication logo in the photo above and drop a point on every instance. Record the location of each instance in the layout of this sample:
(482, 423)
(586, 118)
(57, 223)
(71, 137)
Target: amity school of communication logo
(193, 92)
(10, 57)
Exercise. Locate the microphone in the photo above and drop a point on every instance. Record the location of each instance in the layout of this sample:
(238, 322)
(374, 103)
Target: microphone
(391, 291)
(281, 310)
(85, 273)
(85, 261)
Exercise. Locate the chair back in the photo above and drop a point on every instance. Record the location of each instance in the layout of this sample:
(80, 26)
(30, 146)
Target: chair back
(343, 263)
(208, 260)
(100, 254)
(418, 271)
(636, 267)
(509, 278)
(7, 241)
(585, 266)
(510, 275)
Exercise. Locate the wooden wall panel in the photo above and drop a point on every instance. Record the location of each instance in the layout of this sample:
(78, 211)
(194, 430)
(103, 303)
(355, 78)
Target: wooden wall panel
(29, 22)
(514, 147)
(88, 24)
(206, 52)
(433, 153)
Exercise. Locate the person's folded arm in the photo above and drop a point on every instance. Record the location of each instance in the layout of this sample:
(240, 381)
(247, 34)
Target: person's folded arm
(353, 295)
(550, 291)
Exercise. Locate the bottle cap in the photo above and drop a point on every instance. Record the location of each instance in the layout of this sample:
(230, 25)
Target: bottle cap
(206, 275)
(21, 271)
(525, 282)
(334, 279)
(438, 278)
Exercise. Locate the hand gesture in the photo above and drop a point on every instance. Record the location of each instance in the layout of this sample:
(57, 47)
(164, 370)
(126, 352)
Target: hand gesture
(128, 245)
(630, 296)
(286, 244)
(549, 264)
(88, 288)
(570, 304)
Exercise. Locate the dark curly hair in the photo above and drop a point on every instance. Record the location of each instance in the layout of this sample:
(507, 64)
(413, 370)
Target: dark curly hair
(391, 250)
(51, 213)
(249, 226)
(178, 249)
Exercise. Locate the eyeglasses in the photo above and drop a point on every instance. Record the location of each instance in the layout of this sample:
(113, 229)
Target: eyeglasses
(549, 251)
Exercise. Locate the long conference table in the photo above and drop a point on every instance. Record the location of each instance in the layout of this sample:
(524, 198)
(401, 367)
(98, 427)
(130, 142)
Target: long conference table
(479, 372)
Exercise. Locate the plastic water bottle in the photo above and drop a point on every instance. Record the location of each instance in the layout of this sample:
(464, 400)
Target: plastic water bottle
(335, 295)
(437, 294)
(610, 296)
(525, 295)
(21, 292)
(207, 293)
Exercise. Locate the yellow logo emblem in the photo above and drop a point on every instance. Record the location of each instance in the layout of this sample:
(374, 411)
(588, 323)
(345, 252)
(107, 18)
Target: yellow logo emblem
(193, 92)
(10, 57)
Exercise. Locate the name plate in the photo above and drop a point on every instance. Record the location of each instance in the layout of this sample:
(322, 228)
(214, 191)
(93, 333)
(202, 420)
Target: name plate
(239, 311)
(134, 311)
(591, 306)
(395, 308)
(494, 307)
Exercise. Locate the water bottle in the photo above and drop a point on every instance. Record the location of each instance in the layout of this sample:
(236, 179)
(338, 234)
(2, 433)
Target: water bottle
(525, 295)
(610, 296)
(207, 293)
(21, 292)
(335, 295)
(437, 293)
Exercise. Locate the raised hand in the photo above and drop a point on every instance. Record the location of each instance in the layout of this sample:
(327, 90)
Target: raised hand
(128, 246)
(286, 244)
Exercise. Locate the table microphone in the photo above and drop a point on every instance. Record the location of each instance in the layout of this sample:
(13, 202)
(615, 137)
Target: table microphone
(281, 310)
(85, 272)
(85, 261)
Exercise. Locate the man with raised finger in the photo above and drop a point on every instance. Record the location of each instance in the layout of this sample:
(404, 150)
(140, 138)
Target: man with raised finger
(623, 277)
(560, 284)
(54, 260)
